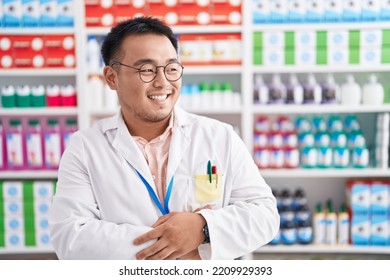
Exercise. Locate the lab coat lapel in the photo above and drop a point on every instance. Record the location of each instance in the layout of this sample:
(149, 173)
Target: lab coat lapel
(180, 142)
(127, 147)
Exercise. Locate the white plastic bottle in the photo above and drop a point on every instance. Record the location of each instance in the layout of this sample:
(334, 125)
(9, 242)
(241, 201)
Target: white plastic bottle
(277, 91)
(351, 93)
(294, 91)
(260, 90)
(373, 92)
(312, 91)
(319, 225)
(343, 226)
(95, 92)
(93, 54)
(331, 224)
(330, 91)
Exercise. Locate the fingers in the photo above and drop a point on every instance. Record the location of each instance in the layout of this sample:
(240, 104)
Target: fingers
(163, 219)
(157, 251)
(150, 235)
(208, 206)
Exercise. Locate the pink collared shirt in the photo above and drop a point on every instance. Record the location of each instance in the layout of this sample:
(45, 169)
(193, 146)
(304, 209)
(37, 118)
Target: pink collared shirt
(156, 154)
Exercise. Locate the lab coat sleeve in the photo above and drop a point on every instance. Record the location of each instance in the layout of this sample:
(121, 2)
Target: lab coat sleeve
(250, 220)
(77, 232)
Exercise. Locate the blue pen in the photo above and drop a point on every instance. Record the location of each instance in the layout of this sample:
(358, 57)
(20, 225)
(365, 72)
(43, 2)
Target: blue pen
(209, 171)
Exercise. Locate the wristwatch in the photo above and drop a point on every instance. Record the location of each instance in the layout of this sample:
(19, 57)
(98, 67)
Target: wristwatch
(206, 235)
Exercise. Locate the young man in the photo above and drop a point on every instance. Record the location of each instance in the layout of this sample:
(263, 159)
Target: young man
(155, 182)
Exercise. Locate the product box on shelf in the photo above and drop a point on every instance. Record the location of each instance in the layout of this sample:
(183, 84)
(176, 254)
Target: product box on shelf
(360, 229)
(370, 10)
(49, 13)
(380, 230)
(226, 12)
(261, 11)
(24, 221)
(12, 13)
(65, 13)
(314, 11)
(194, 14)
(28, 51)
(31, 13)
(60, 51)
(333, 10)
(296, 10)
(380, 198)
(6, 52)
(358, 195)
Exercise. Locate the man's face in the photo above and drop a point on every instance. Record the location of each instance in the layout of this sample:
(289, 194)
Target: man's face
(146, 102)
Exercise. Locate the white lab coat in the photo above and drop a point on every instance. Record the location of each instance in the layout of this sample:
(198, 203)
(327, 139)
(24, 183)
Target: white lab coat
(101, 205)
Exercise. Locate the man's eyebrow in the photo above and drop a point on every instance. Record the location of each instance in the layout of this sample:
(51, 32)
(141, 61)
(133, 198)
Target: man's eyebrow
(147, 60)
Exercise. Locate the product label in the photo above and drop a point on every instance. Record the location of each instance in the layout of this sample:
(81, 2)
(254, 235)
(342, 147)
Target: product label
(52, 149)
(34, 150)
(14, 150)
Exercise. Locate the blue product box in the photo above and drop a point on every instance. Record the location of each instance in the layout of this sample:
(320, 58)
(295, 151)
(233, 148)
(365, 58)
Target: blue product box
(65, 13)
(261, 11)
(360, 230)
(12, 13)
(380, 230)
(48, 13)
(380, 198)
(31, 13)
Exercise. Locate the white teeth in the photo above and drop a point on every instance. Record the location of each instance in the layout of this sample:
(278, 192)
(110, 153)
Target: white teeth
(158, 97)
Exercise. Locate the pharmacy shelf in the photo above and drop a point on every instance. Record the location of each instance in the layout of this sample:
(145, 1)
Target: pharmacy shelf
(325, 173)
(338, 249)
(47, 111)
(28, 174)
(195, 29)
(289, 69)
(315, 26)
(33, 250)
(18, 72)
(37, 31)
(318, 109)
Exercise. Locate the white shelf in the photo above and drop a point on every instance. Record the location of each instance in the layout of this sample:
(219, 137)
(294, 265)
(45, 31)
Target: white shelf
(18, 72)
(286, 69)
(37, 31)
(338, 249)
(325, 173)
(318, 109)
(32, 250)
(28, 174)
(46, 111)
(318, 26)
(196, 29)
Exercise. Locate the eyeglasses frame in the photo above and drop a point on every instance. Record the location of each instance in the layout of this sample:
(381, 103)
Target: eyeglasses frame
(155, 73)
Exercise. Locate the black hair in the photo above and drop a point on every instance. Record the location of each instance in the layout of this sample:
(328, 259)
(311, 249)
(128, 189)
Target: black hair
(139, 25)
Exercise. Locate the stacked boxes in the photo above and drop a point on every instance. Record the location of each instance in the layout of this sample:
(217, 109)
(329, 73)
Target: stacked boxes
(369, 207)
(37, 51)
(36, 13)
(180, 12)
(331, 47)
(301, 11)
(24, 214)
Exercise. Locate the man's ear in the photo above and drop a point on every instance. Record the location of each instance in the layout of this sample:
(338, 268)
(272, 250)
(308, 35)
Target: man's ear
(111, 77)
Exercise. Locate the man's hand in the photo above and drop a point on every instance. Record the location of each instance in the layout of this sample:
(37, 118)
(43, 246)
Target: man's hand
(177, 235)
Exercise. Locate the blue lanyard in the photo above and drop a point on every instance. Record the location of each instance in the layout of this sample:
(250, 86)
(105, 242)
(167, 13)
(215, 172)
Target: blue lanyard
(164, 210)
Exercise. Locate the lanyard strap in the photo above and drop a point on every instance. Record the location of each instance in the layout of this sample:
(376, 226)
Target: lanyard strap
(164, 210)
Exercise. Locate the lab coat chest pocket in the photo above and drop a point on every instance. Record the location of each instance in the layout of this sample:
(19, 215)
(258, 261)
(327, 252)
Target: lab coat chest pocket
(206, 189)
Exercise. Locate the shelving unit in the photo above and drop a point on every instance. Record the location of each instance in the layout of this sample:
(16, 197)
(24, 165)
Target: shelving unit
(318, 183)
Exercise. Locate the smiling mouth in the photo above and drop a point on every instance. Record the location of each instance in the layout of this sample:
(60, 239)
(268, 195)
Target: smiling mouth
(158, 97)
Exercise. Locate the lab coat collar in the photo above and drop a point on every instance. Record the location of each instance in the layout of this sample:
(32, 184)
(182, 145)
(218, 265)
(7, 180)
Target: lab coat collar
(121, 139)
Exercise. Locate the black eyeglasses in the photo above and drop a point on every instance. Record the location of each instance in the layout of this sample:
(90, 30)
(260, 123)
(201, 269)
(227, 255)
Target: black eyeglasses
(148, 71)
